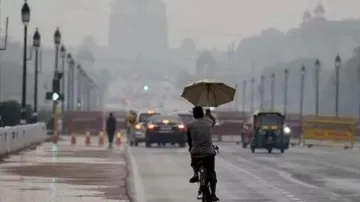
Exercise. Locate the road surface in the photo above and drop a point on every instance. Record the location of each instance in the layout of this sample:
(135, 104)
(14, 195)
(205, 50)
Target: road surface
(65, 173)
(299, 175)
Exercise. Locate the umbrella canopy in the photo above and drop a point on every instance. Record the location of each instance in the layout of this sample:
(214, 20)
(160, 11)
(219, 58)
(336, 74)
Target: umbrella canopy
(208, 93)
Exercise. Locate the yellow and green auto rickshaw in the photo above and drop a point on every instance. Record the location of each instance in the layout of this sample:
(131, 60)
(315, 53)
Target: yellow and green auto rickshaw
(269, 132)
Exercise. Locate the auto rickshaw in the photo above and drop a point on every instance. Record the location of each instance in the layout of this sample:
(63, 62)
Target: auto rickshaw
(269, 132)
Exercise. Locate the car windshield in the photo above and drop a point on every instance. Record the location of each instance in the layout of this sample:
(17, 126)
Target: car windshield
(170, 119)
(145, 117)
(270, 119)
(186, 118)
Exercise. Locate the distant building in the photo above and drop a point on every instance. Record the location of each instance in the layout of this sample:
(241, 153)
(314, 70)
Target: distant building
(138, 26)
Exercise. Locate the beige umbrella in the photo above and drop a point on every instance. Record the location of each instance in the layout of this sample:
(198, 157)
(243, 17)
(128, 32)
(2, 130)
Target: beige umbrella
(208, 93)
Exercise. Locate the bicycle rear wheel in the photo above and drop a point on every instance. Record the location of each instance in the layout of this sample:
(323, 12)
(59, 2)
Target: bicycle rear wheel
(204, 185)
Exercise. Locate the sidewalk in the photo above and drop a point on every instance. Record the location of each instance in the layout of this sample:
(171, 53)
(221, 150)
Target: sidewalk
(65, 173)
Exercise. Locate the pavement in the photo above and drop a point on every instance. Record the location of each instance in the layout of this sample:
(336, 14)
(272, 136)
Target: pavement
(65, 173)
(301, 174)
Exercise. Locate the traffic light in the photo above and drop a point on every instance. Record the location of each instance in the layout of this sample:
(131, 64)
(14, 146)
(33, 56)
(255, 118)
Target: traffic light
(54, 96)
(56, 85)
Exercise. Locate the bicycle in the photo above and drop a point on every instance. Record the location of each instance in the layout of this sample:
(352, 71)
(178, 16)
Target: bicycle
(204, 187)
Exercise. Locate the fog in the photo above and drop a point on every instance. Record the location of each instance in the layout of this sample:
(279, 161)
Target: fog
(127, 44)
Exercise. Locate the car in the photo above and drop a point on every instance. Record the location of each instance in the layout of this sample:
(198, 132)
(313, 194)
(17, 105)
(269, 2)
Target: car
(163, 129)
(140, 128)
(186, 117)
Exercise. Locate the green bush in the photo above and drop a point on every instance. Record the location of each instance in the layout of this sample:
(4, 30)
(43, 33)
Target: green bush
(10, 112)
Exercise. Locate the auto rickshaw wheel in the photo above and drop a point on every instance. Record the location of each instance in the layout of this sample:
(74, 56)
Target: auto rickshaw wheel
(244, 145)
(252, 149)
(131, 143)
(282, 150)
(136, 143)
(269, 150)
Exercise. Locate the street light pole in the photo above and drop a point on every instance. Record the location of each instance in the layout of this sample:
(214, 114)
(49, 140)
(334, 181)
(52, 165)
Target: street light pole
(69, 81)
(57, 41)
(262, 86)
(25, 16)
(36, 44)
(252, 94)
(244, 97)
(301, 111)
(286, 82)
(236, 98)
(79, 86)
(337, 69)
(72, 84)
(272, 92)
(317, 77)
(63, 55)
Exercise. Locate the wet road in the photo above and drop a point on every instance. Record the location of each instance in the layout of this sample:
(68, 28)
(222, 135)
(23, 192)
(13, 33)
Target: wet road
(65, 173)
(300, 175)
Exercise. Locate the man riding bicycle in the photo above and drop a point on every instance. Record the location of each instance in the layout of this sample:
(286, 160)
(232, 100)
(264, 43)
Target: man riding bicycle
(201, 147)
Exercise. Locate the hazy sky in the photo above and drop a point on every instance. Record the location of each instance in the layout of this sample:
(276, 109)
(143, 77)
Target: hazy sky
(209, 22)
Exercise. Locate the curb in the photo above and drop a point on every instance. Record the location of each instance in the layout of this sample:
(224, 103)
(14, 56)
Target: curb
(129, 179)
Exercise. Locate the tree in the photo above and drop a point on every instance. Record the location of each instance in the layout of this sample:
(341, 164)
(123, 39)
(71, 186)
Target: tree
(10, 112)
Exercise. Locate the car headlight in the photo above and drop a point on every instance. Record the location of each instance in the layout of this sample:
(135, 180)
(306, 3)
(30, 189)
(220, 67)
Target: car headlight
(287, 130)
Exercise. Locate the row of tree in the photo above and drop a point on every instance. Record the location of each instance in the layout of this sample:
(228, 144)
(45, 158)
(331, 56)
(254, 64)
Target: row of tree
(10, 113)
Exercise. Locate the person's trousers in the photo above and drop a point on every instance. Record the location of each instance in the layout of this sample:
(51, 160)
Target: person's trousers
(111, 137)
(209, 164)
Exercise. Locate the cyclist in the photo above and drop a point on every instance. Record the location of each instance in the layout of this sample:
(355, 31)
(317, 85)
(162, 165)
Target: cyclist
(201, 148)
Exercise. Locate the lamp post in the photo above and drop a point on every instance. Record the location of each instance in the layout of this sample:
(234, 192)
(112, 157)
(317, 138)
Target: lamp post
(79, 86)
(302, 85)
(252, 94)
(63, 55)
(244, 97)
(36, 44)
(317, 77)
(25, 17)
(262, 83)
(69, 99)
(272, 91)
(286, 82)
(337, 69)
(57, 41)
(236, 98)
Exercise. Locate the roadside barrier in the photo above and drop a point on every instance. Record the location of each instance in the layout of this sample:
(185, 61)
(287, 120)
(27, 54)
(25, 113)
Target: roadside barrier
(118, 139)
(87, 139)
(22, 136)
(101, 138)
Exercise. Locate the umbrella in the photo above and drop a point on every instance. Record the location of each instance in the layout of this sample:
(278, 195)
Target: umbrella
(208, 93)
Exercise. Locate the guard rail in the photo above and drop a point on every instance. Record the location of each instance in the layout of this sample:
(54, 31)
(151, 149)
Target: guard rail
(17, 137)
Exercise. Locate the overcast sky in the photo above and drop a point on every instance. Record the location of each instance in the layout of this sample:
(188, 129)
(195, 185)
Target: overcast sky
(211, 23)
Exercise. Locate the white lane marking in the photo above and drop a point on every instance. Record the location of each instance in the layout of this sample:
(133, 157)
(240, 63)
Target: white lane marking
(138, 182)
(248, 173)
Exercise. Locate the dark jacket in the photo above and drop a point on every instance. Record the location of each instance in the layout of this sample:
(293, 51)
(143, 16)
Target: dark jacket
(111, 124)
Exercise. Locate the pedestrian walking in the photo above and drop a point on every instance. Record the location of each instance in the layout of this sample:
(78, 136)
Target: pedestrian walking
(110, 128)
